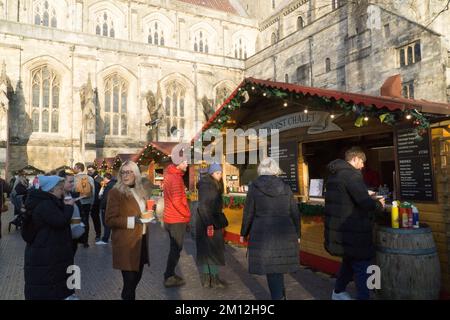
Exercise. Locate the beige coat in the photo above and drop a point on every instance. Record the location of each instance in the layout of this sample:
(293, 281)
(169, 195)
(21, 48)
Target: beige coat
(126, 243)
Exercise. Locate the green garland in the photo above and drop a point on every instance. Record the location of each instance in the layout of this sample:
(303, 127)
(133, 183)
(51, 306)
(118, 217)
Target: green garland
(362, 113)
(311, 210)
(233, 202)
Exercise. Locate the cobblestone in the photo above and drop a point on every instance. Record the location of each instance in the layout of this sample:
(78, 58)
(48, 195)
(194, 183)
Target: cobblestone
(99, 281)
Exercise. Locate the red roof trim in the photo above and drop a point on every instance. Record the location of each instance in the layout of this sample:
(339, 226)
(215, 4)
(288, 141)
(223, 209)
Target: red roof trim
(379, 102)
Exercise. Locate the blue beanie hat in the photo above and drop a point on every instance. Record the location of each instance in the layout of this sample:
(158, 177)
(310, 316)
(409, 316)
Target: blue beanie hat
(214, 167)
(47, 183)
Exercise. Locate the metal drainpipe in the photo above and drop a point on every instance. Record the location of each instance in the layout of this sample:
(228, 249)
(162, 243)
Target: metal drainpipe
(72, 49)
(196, 94)
(311, 61)
(274, 58)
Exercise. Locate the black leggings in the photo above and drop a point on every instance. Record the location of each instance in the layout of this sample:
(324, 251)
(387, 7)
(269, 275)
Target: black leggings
(131, 278)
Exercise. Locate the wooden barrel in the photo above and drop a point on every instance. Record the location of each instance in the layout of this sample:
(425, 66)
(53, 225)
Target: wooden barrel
(409, 264)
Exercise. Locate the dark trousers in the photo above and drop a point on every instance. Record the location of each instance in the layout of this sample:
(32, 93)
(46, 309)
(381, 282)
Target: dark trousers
(106, 229)
(276, 285)
(176, 234)
(131, 278)
(357, 268)
(85, 209)
(74, 246)
(95, 215)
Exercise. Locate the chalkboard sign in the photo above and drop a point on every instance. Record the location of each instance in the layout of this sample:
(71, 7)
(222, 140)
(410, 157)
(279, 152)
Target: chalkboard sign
(414, 166)
(288, 157)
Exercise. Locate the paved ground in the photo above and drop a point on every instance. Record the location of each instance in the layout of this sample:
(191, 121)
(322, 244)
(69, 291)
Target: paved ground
(100, 281)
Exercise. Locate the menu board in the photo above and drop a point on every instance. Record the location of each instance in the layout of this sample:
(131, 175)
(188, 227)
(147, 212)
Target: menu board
(414, 165)
(287, 154)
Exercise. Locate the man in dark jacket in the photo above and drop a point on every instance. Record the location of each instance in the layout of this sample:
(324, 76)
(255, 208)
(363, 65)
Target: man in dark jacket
(349, 212)
(95, 210)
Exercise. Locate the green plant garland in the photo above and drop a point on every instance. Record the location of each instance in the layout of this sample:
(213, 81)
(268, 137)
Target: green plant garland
(362, 113)
(311, 210)
(233, 202)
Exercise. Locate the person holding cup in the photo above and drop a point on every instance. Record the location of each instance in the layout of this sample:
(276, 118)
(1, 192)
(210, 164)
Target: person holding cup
(125, 204)
(76, 225)
(48, 252)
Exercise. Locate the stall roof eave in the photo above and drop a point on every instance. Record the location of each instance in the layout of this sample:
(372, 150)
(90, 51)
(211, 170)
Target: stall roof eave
(391, 103)
(379, 102)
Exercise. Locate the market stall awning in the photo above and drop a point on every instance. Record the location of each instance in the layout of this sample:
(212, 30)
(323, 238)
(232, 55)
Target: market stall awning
(29, 170)
(108, 162)
(255, 92)
(155, 151)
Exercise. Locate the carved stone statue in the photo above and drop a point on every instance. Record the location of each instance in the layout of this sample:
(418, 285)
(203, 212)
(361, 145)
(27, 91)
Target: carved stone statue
(208, 109)
(88, 111)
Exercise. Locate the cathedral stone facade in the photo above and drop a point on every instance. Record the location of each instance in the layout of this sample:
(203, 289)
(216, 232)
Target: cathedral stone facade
(80, 79)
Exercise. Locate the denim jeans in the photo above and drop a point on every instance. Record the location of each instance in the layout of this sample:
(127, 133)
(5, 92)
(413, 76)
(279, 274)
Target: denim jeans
(357, 268)
(106, 229)
(176, 234)
(276, 285)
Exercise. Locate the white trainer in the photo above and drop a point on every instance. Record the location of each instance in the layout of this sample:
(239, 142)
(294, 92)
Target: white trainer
(341, 296)
(100, 242)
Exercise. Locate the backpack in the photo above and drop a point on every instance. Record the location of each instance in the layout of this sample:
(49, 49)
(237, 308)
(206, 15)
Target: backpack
(83, 186)
(28, 229)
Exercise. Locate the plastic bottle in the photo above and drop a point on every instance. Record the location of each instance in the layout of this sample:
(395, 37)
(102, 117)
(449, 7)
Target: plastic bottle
(415, 213)
(394, 215)
(403, 211)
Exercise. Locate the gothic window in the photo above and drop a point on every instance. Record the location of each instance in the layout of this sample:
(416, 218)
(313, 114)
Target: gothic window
(327, 65)
(286, 78)
(45, 15)
(156, 34)
(175, 99)
(105, 25)
(408, 89)
(240, 49)
(201, 42)
(300, 23)
(335, 4)
(410, 54)
(45, 100)
(116, 105)
(303, 74)
(273, 4)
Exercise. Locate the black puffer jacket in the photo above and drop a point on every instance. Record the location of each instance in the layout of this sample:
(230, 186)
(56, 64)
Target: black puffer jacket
(210, 250)
(51, 253)
(349, 213)
(272, 221)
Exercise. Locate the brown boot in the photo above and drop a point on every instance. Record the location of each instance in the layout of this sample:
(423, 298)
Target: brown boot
(216, 282)
(205, 279)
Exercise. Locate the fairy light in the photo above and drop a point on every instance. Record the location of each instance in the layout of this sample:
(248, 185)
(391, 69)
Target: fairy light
(305, 111)
(366, 118)
(264, 94)
(408, 116)
(253, 88)
(285, 104)
(332, 116)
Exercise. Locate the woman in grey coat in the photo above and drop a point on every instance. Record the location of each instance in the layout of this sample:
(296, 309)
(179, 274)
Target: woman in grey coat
(272, 223)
